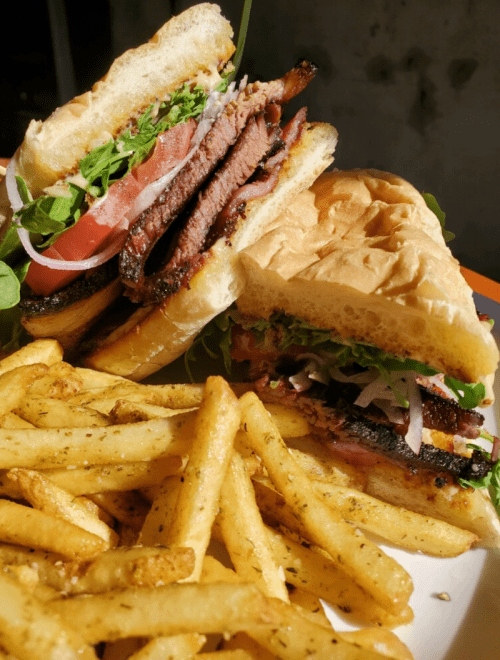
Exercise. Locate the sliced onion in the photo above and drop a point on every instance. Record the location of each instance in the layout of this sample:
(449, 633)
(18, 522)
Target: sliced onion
(413, 436)
(15, 200)
(378, 389)
(62, 264)
(361, 378)
(393, 413)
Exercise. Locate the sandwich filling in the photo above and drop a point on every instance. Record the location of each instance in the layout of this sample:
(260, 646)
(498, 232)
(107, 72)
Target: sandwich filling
(362, 401)
(190, 191)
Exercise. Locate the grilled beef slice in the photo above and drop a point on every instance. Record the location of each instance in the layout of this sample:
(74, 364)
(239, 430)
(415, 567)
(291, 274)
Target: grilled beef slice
(166, 214)
(337, 422)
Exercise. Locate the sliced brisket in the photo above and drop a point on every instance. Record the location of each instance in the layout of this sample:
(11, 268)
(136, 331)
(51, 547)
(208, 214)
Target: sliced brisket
(158, 219)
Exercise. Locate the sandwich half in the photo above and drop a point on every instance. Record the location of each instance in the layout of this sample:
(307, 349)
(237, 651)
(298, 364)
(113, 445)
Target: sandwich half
(355, 312)
(131, 201)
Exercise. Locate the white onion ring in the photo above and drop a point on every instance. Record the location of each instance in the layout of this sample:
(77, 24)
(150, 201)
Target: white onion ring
(61, 264)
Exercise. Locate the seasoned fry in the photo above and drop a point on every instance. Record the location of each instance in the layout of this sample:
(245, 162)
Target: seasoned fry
(156, 526)
(13, 385)
(180, 647)
(60, 382)
(244, 533)
(43, 495)
(404, 528)
(297, 637)
(51, 448)
(217, 422)
(44, 412)
(13, 421)
(290, 423)
(119, 477)
(168, 610)
(129, 507)
(169, 396)
(380, 575)
(312, 570)
(41, 351)
(35, 529)
(29, 630)
(129, 412)
(380, 640)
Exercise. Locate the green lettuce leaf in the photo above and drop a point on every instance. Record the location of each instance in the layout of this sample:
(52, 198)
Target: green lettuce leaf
(432, 203)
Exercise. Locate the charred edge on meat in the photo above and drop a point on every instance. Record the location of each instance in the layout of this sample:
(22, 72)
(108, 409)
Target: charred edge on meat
(335, 420)
(83, 288)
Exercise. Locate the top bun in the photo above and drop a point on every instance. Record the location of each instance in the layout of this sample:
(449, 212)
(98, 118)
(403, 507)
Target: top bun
(361, 254)
(191, 46)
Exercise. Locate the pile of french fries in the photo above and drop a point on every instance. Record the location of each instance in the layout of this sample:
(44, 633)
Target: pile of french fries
(147, 522)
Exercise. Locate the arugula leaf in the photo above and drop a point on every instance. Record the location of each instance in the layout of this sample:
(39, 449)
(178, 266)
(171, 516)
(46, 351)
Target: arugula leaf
(433, 205)
(10, 287)
(52, 215)
(491, 480)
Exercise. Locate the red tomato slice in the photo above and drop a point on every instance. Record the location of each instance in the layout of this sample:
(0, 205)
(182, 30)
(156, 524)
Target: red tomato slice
(84, 239)
(92, 232)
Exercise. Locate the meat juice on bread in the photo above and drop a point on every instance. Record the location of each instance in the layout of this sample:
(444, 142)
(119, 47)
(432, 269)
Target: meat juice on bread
(133, 199)
(355, 312)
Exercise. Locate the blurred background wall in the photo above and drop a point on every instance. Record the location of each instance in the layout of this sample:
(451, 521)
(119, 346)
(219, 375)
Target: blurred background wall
(413, 86)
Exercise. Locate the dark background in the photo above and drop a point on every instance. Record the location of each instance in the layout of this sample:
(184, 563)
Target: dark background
(413, 86)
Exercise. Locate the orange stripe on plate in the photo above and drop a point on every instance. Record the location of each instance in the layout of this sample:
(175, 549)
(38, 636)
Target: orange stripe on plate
(482, 284)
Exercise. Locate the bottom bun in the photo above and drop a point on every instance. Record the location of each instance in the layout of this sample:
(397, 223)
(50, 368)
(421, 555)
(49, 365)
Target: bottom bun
(155, 336)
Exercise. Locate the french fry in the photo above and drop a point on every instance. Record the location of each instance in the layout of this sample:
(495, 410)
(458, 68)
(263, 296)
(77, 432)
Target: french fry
(156, 526)
(52, 448)
(180, 647)
(244, 533)
(129, 507)
(44, 412)
(168, 610)
(40, 351)
(381, 640)
(217, 422)
(179, 396)
(309, 606)
(30, 630)
(129, 412)
(298, 637)
(290, 423)
(214, 571)
(404, 528)
(13, 385)
(13, 421)
(45, 496)
(380, 575)
(312, 570)
(35, 529)
(241, 642)
(232, 654)
(119, 477)
(60, 382)
(136, 566)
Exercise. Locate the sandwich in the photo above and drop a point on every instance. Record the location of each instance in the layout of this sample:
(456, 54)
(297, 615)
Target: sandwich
(131, 202)
(355, 312)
